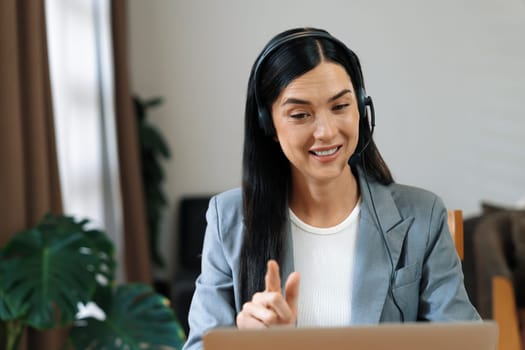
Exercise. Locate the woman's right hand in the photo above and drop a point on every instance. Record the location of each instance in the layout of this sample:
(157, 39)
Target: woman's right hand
(271, 307)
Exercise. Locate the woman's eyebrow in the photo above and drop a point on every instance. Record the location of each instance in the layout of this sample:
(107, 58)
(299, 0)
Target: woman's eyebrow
(298, 101)
(336, 96)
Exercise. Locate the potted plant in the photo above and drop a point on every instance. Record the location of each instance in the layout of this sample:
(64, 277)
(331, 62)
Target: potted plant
(47, 271)
(153, 149)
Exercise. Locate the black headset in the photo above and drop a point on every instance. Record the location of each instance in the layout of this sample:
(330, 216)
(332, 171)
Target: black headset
(264, 116)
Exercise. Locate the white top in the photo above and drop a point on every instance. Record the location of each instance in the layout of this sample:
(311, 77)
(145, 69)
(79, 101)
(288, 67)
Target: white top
(325, 259)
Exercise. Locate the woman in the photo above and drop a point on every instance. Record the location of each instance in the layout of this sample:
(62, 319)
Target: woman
(320, 235)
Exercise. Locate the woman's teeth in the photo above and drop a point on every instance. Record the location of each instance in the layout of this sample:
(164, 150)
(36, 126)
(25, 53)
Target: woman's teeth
(328, 152)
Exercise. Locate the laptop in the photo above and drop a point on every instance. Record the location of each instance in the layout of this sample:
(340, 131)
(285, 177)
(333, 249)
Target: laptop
(406, 336)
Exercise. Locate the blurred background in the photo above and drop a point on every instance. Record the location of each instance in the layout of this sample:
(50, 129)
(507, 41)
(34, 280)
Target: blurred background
(447, 79)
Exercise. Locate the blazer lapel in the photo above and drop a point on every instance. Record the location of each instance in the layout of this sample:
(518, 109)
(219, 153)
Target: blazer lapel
(372, 264)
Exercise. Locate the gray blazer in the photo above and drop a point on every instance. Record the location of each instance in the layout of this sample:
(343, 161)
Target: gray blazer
(428, 279)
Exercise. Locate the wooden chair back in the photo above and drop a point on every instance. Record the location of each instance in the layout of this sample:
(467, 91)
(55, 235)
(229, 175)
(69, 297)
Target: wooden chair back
(455, 224)
(504, 310)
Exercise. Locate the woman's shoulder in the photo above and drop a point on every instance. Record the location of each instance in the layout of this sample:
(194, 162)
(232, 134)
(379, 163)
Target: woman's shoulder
(229, 199)
(415, 198)
(228, 207)
(412, 192)
(225, 223)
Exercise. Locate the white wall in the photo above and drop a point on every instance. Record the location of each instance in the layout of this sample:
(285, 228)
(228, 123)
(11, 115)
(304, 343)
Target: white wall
(447, 78)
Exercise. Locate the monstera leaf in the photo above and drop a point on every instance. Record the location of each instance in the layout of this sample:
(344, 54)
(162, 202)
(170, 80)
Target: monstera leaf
(46, 271)
(136, 318)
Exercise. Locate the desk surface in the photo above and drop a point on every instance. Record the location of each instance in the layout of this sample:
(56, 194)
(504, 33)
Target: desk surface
(408, 336)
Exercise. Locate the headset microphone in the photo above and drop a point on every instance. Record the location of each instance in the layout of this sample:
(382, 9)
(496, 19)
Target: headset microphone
(355, 159)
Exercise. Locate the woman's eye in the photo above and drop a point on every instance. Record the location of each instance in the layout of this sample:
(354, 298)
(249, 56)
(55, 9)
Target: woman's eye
(299, 115)
(340, 106)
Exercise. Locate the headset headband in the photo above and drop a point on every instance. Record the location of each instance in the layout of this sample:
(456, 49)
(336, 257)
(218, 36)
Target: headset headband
(264, 117)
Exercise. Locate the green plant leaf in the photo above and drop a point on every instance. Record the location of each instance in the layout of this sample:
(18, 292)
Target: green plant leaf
(46, 271)
(153, 174)
(138, 318)
(153, 148)
(152, 140)
(152, 102)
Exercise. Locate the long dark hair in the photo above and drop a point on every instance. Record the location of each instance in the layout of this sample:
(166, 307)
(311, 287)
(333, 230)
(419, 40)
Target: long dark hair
(266, 170)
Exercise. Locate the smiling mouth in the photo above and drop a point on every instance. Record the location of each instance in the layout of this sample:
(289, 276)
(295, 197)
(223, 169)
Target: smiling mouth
(326, 153)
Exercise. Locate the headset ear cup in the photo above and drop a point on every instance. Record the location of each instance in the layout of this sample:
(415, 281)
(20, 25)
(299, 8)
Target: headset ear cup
(265, 122)
(362, 102)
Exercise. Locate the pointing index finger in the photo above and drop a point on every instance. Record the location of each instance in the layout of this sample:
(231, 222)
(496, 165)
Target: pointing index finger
(272, 279)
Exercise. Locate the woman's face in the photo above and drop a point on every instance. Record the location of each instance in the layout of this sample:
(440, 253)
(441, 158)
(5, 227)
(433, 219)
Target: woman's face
(316, 119)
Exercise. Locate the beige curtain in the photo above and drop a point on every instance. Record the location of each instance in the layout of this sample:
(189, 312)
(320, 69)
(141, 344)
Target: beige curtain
(29, 182)
(137, 259)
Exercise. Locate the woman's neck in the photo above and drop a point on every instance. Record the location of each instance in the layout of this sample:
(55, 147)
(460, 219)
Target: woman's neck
(324, 204)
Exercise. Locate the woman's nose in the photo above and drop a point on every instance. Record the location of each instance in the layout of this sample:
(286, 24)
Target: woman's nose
(325, 127)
